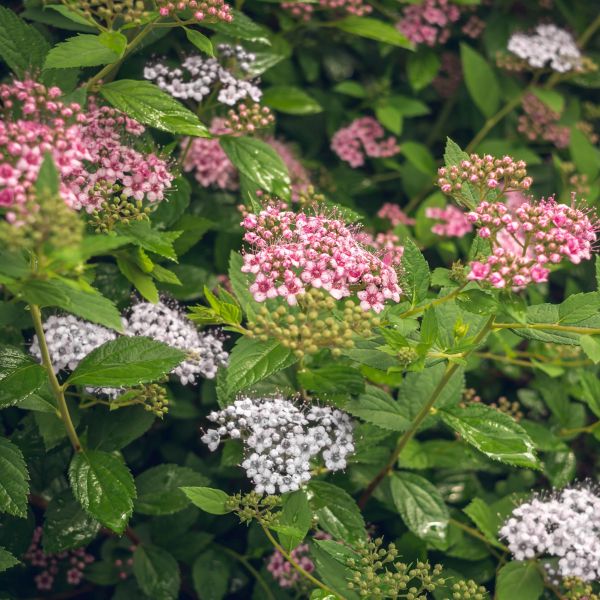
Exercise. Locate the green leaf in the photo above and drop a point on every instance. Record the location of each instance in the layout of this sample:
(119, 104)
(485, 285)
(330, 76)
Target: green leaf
(14, 479)
(259, 162)
(551, 98)
(159, 242)
(389, 116)
(295, 513)
(453, 153)
(109, 432)
(378, 407)
(22, 47)
(114, 40)
(142, 282)
(590, 344)
(67, 525)
(336, 511)
(421, 506)
(88, 303)
(200, 41)
(173, 207)
(20, 376)
(374, 29)
(478, 302)
(158, 489)
(210, 574)
(421, 68)
(242, 27)
(419, 156)
(48, 179)
(494, 433)
(331, 571)
(416, 273)
(156, 572)
(487, 521)
(519, 579)
(252, 361)
(290, 100)
(65, 11)
(126, 361)
(585, 155)
(7, 560)
(103, 485)
(208, 499)
(351, 88)
(332, 379)
(83, 50)
(148, 104)
(480, 80)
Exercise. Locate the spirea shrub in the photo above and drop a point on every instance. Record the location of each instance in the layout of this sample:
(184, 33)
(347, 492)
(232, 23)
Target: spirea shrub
(299, 300)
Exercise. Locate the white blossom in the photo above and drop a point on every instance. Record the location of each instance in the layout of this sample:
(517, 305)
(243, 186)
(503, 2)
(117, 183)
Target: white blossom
(165, 324)
(280, 440)
(547, 46)
(565, 526)
(198, 74)
(70, 339)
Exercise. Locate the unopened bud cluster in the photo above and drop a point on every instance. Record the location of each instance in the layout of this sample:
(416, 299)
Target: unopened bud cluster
(576, 589)
(314, 324)
(110, 11)
(252, 506)
(152, 396)
(117, 209)
(202, 10)
(485, 173)
(281, 440)
(244, 119)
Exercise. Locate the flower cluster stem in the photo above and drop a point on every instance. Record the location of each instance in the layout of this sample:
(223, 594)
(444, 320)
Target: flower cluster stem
(57, 388)
(420, 417)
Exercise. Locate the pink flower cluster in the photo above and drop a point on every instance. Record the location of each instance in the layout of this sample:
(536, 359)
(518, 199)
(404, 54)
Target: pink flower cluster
(454, 222)
(282, 570)
(203, 10)
(294, 251)
(394, 214)
(387, 245)
(541, 123)
(485, 173)
(363, 137)
(304, 10)
(429, 22)
(71, 561)
(530, 238)
(87, 148)
(449, 77)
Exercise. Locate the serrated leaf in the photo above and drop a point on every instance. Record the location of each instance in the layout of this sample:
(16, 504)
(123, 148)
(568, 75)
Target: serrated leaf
(126, 361)
(107, 432)
(20, 376)
(7, 560)
(156, 572)
(252, 361)
(519, 579)
(486, 520)
(65, 11)
(378, 407)
(83, 50)
(22, 47)
(492, 432)
(158, 489)
(332, 379)
(416, 273)
(103, 485)
(67, 525)
(159, 242)
(14, 479)
(148, 104)
(259, 162)
(210, 574)
(296, 514)
(210, 500)
(336, 511)
(421, 505)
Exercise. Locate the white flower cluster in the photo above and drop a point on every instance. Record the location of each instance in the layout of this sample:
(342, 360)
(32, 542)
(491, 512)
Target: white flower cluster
(165, 324)
(281, 440)
(197, 75)
(547, 46)
(566, 526)
(69, 340)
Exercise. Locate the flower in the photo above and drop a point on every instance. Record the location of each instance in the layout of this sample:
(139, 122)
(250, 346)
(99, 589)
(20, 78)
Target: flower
(394, 214)
(564, 526)
(541, 123)
(170, 326)
(428, 22)
(454, 221)
(202, 10)
(362, 138)
(295, 251)
(280, 440)
(526, 239)
(547, 46)
(304, 10)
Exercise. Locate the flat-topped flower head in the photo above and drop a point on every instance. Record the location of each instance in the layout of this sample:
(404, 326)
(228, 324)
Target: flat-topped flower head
(306, 11)
(429, 22)
(168, 324)
(293, 252)
(540, 122)
(363, 137)
(563, 525)
(527, 239)
(394, 214)
(453, 221)
(547, 46)
(201, 10)
(281, 439)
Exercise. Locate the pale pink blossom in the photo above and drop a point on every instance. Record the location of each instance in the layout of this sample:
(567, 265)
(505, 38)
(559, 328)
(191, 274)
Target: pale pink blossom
(454, 222)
